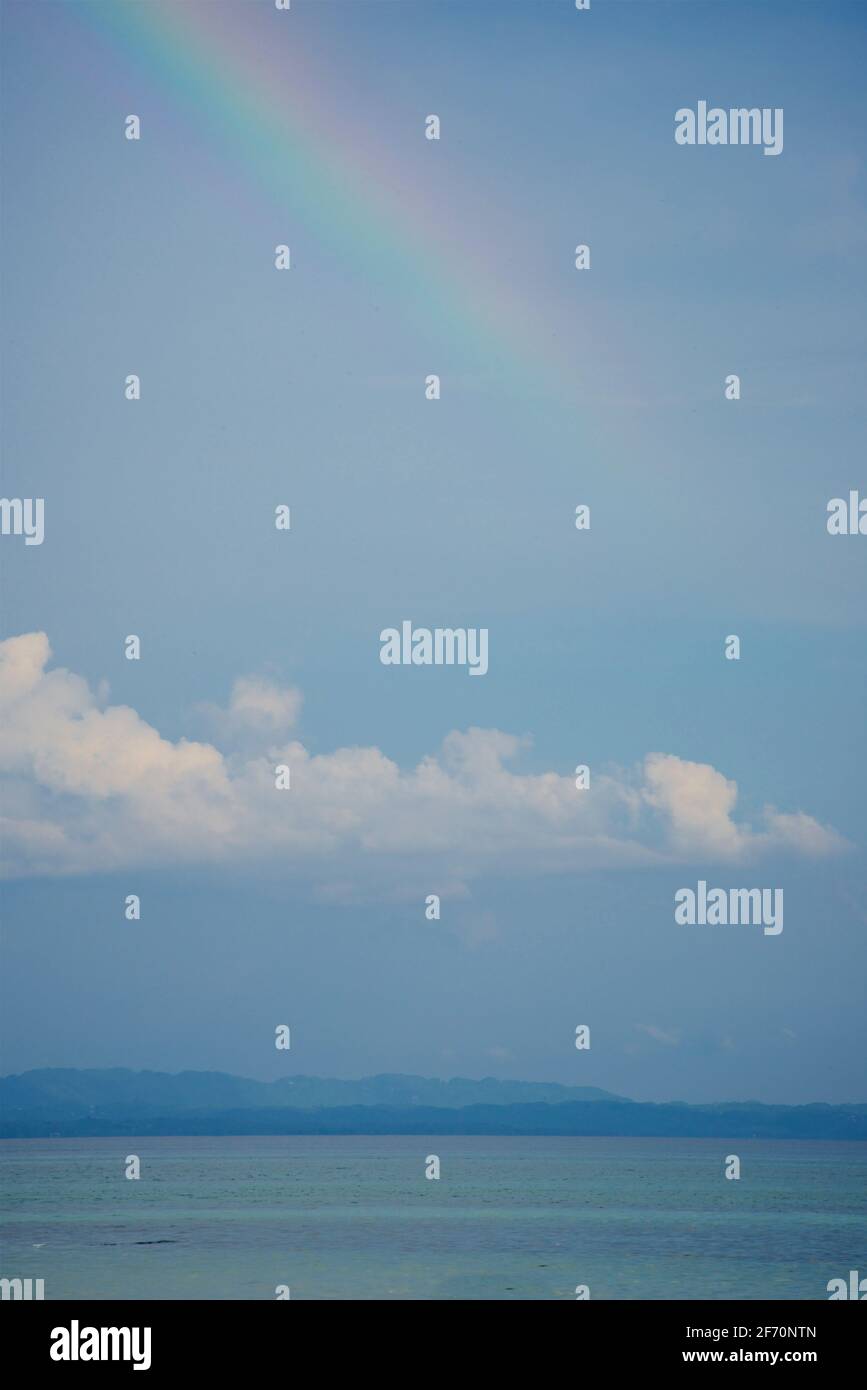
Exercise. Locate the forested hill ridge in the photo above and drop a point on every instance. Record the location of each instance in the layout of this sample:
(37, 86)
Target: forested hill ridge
(70, 1092)
(69, 1103)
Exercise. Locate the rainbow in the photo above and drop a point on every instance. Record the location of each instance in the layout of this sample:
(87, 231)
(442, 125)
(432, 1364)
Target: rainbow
(224, 65)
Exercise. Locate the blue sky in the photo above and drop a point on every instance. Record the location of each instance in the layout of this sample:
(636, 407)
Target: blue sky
(708, 518)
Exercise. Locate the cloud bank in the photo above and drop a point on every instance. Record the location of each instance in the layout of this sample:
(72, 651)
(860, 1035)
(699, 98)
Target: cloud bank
(87, 789)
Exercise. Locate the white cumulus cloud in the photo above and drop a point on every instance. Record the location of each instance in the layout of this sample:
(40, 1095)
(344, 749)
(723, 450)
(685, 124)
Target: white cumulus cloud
(87, 789)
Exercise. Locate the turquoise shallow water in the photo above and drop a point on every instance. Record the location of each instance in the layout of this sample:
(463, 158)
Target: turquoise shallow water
(355, 1218)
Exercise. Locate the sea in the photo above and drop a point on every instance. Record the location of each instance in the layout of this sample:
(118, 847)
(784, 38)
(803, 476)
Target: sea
(357, 1217)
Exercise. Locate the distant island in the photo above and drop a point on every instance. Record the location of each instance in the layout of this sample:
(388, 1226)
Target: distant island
(68, 1103)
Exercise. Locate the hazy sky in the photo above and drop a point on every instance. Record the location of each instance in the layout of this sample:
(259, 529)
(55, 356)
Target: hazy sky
(559, 387)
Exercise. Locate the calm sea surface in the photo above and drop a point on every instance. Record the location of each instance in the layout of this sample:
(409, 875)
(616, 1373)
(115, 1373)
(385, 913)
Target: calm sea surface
(355, 1217)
